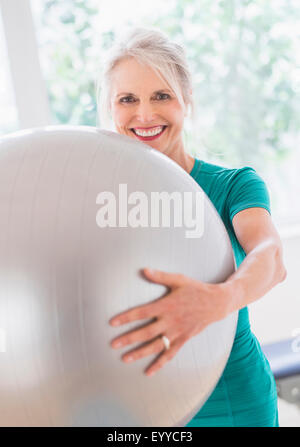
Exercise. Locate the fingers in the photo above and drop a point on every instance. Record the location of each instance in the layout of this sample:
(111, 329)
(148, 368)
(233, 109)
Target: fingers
(168, 279)
(166, 356)
(150, 310)
(140, 335)
(156, 346)
(137, 313)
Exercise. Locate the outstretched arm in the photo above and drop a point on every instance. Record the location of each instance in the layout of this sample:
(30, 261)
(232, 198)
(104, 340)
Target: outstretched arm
(263, 266)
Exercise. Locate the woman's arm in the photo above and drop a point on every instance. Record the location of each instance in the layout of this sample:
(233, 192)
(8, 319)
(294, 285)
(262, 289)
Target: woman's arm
(263, 266)
(191, 305)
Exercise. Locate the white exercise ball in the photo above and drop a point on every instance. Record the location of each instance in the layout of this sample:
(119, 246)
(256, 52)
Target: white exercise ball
(63, 277)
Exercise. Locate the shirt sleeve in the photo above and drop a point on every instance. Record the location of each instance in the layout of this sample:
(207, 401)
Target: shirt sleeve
(248, 190)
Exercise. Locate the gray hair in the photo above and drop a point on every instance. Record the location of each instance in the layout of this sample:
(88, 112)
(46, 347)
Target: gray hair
(154, 49)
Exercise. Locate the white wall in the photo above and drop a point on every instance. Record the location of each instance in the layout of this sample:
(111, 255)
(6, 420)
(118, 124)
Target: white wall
(277, 315)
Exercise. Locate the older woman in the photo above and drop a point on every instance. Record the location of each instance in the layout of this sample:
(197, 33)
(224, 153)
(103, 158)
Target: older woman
(146, 92)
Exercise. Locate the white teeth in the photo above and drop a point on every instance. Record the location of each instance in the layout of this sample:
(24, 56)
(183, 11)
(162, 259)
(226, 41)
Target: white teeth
(149, 133)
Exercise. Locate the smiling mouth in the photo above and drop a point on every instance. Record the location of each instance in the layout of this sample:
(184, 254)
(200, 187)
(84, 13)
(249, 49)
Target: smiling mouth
(149, 137)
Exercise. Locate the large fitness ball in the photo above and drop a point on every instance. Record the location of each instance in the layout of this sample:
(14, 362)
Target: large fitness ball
(64, 274)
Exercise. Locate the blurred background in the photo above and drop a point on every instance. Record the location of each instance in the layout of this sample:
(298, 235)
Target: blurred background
(245, 60)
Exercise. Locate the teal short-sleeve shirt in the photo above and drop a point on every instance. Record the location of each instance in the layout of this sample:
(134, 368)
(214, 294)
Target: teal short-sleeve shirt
(246, 392)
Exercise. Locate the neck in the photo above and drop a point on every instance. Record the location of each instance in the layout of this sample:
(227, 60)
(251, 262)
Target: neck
(182, 158)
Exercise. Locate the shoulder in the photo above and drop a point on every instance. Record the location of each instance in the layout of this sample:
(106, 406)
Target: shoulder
(224, 184)
(233, 189)
(226, 176)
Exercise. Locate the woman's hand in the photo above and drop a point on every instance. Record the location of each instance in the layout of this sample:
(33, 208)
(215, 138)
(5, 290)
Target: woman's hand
(186, 310)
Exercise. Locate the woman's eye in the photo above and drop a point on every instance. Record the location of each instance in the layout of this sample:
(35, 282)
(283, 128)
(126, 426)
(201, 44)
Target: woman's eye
(130, 99)
(127, 99)
(164, 95)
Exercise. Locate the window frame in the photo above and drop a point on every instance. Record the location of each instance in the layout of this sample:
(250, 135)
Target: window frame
(24, 66)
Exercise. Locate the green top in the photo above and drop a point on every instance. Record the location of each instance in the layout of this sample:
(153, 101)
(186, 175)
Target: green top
(246, 393)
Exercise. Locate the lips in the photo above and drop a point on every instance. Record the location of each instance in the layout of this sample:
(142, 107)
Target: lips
(150, 137)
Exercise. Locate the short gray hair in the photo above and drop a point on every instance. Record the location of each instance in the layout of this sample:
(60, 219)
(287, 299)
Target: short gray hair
(153, 48)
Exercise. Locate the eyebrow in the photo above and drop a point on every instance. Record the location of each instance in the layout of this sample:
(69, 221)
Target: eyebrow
(157, 91)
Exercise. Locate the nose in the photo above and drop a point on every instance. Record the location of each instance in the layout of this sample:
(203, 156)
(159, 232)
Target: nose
(145, 112)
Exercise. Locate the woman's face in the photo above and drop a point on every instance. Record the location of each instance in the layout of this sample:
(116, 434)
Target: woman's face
(141, 102)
